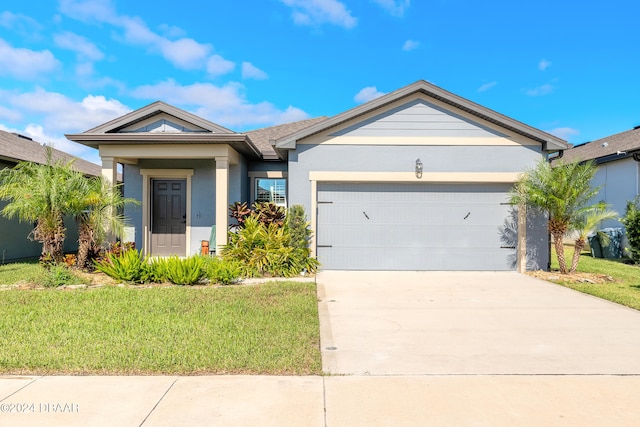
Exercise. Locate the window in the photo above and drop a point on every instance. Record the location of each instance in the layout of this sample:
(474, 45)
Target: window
(272, 190)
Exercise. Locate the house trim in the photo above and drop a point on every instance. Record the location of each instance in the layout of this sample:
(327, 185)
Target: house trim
(420, 140)
(147, 176)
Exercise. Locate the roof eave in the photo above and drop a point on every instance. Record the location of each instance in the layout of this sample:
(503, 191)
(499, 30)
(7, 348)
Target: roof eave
(548, 141)
(94, 140)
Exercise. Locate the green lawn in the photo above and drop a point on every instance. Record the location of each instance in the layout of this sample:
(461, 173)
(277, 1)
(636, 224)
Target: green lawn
(264, 329)
(23, 271)
(625, 289)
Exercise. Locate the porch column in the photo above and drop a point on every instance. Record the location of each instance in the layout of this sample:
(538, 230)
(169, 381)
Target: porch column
(110, 169)
(110, 173)
(222, 201)
(522, 239)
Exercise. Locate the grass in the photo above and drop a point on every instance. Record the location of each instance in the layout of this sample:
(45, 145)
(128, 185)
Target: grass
(265, 329)
(28, 271)
(625, 289)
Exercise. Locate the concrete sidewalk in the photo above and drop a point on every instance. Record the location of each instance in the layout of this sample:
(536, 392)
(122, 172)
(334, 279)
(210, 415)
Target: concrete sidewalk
(458, 400)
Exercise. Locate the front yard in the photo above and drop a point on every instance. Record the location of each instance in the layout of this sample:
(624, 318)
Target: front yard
(260, 329)
(612, 280)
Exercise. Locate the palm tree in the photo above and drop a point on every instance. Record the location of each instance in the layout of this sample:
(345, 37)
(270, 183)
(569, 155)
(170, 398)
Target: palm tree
(562, 191)
(98, 213)
(40, 194)
(586, 223)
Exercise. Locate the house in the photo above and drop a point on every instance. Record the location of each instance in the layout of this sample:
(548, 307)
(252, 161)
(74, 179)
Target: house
(618, 175)
(14, 242)
(417, 179)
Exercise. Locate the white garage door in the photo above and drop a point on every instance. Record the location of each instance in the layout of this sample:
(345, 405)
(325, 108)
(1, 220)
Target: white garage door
(389, 226)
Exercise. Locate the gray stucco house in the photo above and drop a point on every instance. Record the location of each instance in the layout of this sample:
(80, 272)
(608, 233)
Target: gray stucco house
(14, 244)
(618, 175)
(417, 179)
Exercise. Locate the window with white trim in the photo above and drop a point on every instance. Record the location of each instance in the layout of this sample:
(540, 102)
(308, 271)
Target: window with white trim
(272, 190)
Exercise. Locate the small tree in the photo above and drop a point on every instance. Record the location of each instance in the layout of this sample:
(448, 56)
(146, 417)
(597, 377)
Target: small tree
(41, 194)
(586, 223)
(98, 212)
(631, 221)
(562, 191)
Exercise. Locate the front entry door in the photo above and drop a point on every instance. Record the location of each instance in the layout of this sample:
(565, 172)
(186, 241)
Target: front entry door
(169, 217)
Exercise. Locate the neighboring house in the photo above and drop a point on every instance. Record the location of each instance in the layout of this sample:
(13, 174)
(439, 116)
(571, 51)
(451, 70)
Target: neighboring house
(618, 160)
(14, 242)
(417, 179)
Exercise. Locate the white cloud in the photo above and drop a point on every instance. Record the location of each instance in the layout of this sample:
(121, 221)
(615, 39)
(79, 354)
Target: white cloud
(184, 53)
(9, 114)
(62, 114)
(543, 64)
(226, 105)
(89, 10)
(367, 94)
(250, 71)
(410, 45)
(564, 132)
(25, 64)
(318, 12)
(81, 45)
(394, 7)
(485, 87)
(16, 21)
(172, 31)
(217, 66)
(545, 89)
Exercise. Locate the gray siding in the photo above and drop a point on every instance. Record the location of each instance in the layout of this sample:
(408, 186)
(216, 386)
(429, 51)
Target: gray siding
(418, 118)
(618, 182)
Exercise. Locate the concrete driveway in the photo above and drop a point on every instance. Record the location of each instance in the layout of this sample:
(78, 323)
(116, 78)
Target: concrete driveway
(397, 323)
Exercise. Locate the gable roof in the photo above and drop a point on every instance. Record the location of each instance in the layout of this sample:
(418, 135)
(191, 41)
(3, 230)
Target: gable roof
(606, 149)
(548, 141)
(16, 148)
(112, 131)
(151, 110)
(264, 137)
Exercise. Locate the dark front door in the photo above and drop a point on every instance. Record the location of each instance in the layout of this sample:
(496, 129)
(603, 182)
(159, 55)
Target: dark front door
(169, 217)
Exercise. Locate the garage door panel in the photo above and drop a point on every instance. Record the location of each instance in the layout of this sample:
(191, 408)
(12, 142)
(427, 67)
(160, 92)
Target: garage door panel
(412, 226)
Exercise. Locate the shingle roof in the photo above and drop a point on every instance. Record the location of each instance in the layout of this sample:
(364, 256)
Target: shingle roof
(623, 142)
(262, 137)
(17, 148)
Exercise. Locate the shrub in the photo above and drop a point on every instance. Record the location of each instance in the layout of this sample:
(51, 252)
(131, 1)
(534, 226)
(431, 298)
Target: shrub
(127, 266)
(631, 222)
(58, 275)
(269, 213)
(298, 227)
(267, 250)
(158, 270)
(186, 271)
(221, 271)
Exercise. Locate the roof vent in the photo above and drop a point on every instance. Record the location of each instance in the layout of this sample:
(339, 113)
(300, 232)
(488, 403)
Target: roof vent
(22, 136)
(636, 127)
(605, 144)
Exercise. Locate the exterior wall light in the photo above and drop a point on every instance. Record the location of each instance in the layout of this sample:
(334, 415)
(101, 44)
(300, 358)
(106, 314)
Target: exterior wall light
(418, 168)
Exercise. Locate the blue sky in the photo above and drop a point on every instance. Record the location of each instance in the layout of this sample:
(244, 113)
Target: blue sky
(565, 67)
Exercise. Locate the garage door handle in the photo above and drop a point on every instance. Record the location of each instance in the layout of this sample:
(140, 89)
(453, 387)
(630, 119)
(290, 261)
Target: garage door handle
(324, 246)
(508, 247)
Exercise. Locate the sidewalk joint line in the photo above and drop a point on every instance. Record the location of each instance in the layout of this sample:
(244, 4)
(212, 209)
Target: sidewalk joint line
(158, 402)
(22, 388)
